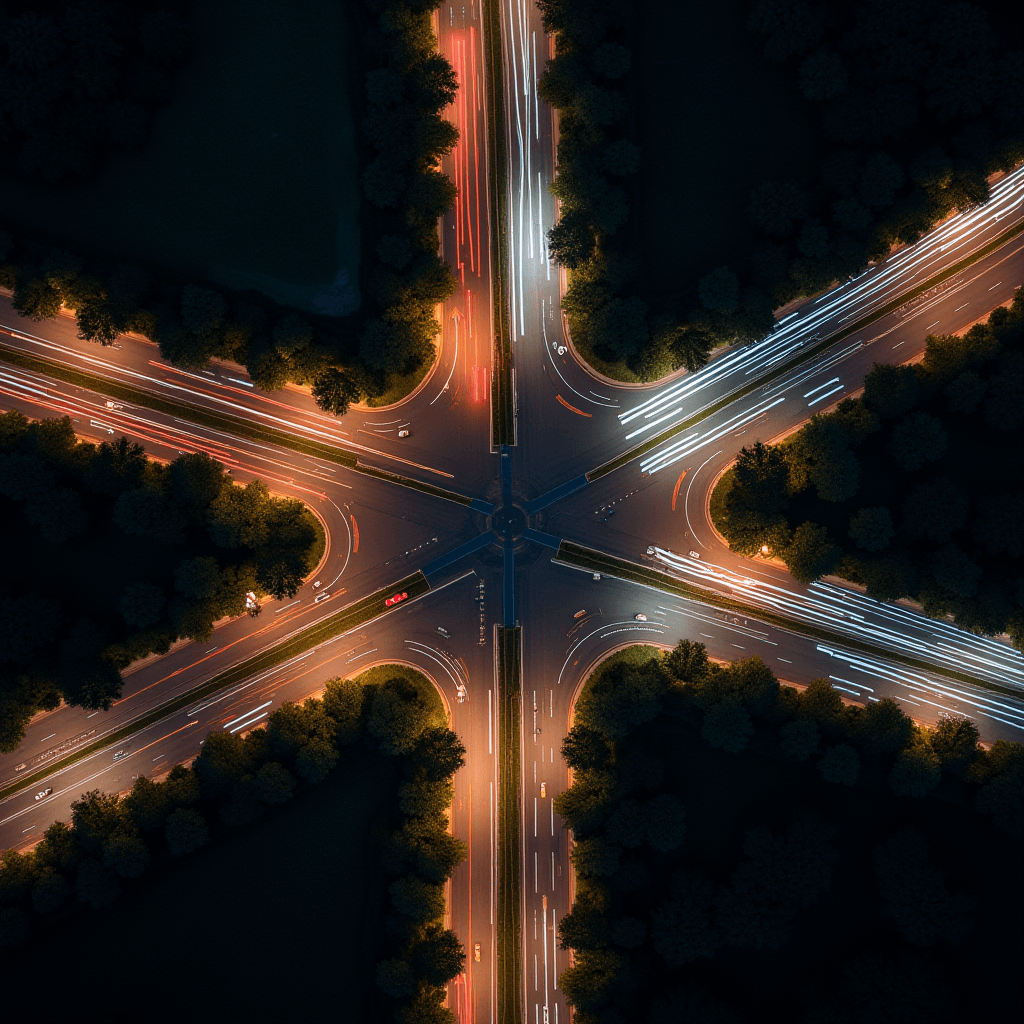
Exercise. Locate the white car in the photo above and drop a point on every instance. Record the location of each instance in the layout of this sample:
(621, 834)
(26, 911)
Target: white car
(44, 793)
(640, 617)
(320, 597)
(695, 554)
(403, 433)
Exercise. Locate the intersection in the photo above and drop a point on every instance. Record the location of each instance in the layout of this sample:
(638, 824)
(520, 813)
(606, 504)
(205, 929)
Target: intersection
(492, 558)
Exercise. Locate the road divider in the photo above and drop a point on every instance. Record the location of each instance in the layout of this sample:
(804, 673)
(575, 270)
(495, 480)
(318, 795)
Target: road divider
(356, 614)
(651, 443)
(579, 557)
(235, 425)
(503, 414)
(508, 668)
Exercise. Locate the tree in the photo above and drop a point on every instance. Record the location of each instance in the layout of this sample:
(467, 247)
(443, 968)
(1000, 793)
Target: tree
(587, 984)
(682, 926)
(142, 604)
(196, 480)
(417, 899)
(871, 529)
(664, 822)
(315, 761)
(621, 158)
(965, 393)
(202, 310)
(343, 701)
(629, 932)
(799, 739)
(914, 893)
(439, 957)
(884, 728)
(397, 717)
(273, 784)
(755, 505)
(811, 555)
(222, 761)
(595, 857)
(1000, 524)
(774, 206)
(1003, 799)
(334, 390)
(96, 886)
(840, 765)
(935, 510)
(622, 697)
(1004, 409)
(396, 978)
(586, 749)
(719, 290)
(955, 743)
(59, 848)
(881, 178)
(571, 241)
(611, 60)
(822, 76)
(144, 512)
(889, 390)
(240, 516)
(585, 804)
(50, 892)
(126, 855)
(917, 771)
(58, 514)
(186, 831)
(439, 754)
(792, 27)
(728, 726)
(626, 824)
(917, 440)
(97, 817)
(955, 572)
(421, 798)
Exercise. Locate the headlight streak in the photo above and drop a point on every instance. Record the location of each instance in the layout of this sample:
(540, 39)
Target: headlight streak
(841, 610)
(855, 298)
(677, 450)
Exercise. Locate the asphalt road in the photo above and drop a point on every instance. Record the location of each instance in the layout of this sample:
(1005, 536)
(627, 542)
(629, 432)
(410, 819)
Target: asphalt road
(569, 422)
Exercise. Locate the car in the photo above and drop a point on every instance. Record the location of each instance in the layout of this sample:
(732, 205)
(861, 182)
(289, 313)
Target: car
(444, 632)
(476, 951)
(640, 617)
(403, 433)
(695, 554)
(543, 790)
(320, 597)
(120, 754)
(317, 584)
(44, 793)
(580, 613)
(395, 599)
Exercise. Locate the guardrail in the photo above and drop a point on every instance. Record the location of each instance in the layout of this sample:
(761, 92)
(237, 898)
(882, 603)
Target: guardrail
(327, 629)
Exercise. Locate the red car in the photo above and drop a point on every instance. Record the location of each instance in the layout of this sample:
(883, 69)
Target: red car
(394, 599)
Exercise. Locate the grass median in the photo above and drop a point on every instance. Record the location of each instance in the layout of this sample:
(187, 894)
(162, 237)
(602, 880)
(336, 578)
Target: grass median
(341, 622)
(608, 565)
(219, 421)
(804, 356)
(503, 425)
(510, 949)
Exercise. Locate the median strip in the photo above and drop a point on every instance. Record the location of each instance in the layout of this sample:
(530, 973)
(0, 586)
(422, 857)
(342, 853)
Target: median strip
(341, 622)
(608, 565)
(804, 356)
(503, 425)
(216, 420)
(509, 923)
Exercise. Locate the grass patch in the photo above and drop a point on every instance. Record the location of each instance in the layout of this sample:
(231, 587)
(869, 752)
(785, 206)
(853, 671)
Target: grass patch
(403, 386)
(251, 178)
(380, 674)
(619, 568)
(719, 496)
(692, 212)
(306, 871)
(510, 955)
(341, 622)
